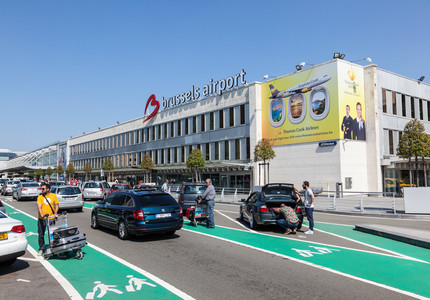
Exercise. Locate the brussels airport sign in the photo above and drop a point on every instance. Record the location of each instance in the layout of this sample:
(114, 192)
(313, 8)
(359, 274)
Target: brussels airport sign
(213, 88)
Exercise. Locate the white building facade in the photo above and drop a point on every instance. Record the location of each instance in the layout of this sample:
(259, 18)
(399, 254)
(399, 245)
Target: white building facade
(305, 124)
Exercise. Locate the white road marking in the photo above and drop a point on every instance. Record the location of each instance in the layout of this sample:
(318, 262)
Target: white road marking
(227, 211)
(143, 272)
(28, 259)
(315, 266)
(365, 244)
(71, 290)
(249, 229)
(23, 280)
(398, 255)
(66, 285)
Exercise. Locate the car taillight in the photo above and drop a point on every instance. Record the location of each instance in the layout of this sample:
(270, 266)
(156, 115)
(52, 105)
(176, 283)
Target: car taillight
(101, 189)
(138, 215)
(18, 229)
(82, 196)
(39, 189)
(263, 209)
(298, 209)
(23, 189)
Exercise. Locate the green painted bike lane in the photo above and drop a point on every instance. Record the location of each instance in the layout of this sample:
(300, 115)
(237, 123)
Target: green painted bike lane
(348, 231)
(395, 272)
(97, 272)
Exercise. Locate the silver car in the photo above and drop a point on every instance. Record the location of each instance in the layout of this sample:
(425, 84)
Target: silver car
(69, 196)
(95, 190)
(8, 187)
(26, 190)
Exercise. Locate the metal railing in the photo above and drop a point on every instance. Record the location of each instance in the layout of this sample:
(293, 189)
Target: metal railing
(363, 202)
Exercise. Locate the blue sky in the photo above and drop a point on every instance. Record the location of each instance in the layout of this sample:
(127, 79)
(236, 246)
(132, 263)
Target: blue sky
(68, 67)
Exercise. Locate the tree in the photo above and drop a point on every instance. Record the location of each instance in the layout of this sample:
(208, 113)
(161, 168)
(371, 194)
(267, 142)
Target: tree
(108, 167)
(263, 151)
(147, 165)
(413, 144)
(195, 161)
(39, 173)
(426, 154)
(87, 169)
(49, 172)
(59, 170)
(70, 170)
(31, 174)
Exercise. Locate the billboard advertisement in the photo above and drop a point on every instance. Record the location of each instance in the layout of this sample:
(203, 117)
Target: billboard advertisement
(310, 105)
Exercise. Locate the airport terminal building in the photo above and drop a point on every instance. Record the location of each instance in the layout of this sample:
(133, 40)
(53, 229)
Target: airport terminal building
(334, 122)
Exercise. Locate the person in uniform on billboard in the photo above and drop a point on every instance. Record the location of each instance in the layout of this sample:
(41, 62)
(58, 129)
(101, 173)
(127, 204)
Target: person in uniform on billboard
(347, 124)
(359, 127)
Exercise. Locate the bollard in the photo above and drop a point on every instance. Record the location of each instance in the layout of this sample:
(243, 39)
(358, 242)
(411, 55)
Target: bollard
(334, 202)
(235, 196)
(222, 195)
(361, 203)
(168, 190)
(328, 190)
(177, 189)
(394, 204)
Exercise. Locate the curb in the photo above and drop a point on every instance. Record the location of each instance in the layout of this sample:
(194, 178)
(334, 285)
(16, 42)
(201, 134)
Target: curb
(394, 236)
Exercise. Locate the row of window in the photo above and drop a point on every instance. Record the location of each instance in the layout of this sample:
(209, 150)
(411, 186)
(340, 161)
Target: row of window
(404, 105)
(237, 149)
(391, 138)
(202, 123)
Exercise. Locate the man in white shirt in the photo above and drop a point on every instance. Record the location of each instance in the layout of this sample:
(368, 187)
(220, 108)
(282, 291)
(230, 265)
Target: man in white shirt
(309, 206)
(165, 187)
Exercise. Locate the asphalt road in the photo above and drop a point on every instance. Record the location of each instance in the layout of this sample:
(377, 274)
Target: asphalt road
(230, 264)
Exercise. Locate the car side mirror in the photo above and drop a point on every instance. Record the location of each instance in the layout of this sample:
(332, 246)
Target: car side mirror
(242, 200)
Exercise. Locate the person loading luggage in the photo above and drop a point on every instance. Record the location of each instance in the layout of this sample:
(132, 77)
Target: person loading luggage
(290, 220)
(47, 203)
(209, 197)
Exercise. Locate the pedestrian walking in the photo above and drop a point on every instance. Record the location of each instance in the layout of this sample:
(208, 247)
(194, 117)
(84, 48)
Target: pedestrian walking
(47, 203)
(309, 206)
(165, 187)
(209, 197)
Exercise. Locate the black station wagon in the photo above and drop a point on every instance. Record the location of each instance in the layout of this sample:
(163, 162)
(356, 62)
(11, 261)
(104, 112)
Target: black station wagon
(259, 208)
(138, 213)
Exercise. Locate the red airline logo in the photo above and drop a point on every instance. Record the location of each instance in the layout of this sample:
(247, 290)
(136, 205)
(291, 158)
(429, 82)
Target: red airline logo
(153, 101)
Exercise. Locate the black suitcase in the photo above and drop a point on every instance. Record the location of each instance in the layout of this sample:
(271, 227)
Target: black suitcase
(69, 243)
(65, 232)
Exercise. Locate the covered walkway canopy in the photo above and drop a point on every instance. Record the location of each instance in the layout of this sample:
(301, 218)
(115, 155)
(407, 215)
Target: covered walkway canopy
(37, 159)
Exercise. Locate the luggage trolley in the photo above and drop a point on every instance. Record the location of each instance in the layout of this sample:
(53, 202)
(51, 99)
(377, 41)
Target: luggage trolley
(63, 238)
(198, 213)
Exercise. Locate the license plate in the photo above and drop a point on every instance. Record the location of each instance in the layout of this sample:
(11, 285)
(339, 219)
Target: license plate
(163, 215)
(3, 236)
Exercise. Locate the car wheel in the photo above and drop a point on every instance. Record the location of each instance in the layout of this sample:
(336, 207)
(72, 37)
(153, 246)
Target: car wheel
(122, 231)
(252, 222)
(94, 224)
(240, 214)
(8, 262)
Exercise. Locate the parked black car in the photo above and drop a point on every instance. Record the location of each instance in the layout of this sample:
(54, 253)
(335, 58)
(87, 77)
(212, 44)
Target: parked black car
(258, 209)
(188, 194)
(138, 213)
